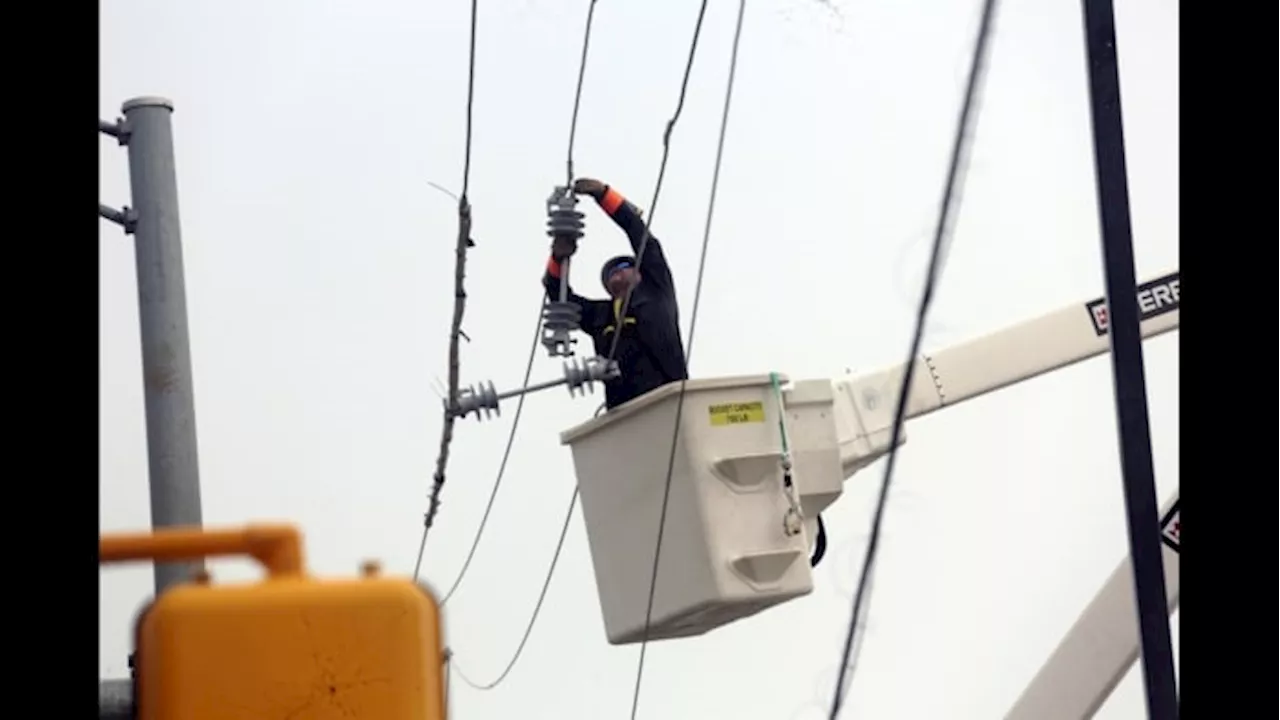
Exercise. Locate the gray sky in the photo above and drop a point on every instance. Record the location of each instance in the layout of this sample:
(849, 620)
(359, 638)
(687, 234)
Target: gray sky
(319, 265)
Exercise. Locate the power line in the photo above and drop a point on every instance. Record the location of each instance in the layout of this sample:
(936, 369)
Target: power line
(471, 94)
(662, 167)
(951, 190)
(657, 190)
(693, 324)
(502, 466)
(1128, 376)
(577, 96)
(459, 305)
(528, 372)
(537, 608)
(573, 123)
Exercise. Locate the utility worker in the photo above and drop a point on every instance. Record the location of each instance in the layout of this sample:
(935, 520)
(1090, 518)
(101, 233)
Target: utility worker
(649, 352)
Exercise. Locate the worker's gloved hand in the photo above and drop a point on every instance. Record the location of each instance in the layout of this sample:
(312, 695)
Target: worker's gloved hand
(562, 248)
(589, 186)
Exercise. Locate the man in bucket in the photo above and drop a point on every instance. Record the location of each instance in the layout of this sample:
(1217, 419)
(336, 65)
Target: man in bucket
(649, 352)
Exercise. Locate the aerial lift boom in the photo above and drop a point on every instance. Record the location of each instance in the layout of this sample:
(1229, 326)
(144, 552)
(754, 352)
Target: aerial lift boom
(987, 364)
(747, 447)
(1103, 643)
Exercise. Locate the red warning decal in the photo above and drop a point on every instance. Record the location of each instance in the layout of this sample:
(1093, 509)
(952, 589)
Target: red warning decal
(1155, 297)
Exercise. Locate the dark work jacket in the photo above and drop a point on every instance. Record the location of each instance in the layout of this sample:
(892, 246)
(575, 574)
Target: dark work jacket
(650, 351)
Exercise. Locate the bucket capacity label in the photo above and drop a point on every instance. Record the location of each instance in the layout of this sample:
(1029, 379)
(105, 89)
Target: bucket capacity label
(736, 413)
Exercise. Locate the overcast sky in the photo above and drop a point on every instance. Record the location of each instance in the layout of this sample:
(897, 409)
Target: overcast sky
(319, 265)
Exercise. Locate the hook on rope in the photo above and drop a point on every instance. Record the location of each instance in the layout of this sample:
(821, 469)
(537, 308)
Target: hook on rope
(793, 519)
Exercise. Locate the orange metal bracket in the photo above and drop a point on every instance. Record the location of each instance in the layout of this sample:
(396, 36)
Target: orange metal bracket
(277, 547)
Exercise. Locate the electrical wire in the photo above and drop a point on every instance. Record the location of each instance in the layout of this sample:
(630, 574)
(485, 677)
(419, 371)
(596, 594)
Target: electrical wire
(577, 95)
(502, 466)
(861, 620)
(528, 372)
(693, 324)
(538, 606)
(459, 306)
(662, 168)
(945, 224)
(471, 95)
(653, 205)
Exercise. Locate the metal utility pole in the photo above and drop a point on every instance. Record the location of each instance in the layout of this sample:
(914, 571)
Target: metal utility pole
(115, 700)
(147, 132)
(1122, 318)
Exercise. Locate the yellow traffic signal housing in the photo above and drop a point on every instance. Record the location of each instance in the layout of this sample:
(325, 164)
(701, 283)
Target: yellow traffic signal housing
(290, 646)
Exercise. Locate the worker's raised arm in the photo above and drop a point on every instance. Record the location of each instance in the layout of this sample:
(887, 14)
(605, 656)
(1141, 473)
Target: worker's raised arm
(653, 263)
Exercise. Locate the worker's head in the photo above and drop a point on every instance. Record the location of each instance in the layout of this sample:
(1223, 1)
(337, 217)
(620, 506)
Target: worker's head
(620, 275)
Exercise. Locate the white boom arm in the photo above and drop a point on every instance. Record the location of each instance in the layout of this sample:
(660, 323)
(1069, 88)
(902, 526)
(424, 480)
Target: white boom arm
(864, 405)
(1103, 644)
(1095, 654)
(734, 548)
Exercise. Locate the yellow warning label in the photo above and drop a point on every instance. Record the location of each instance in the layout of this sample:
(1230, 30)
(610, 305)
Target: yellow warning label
(736, 413)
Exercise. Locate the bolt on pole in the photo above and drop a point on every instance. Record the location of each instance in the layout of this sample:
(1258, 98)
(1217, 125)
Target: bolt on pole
(147, 132)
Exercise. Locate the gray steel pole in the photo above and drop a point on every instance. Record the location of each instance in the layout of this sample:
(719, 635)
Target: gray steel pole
(115, 700)
(162, 309)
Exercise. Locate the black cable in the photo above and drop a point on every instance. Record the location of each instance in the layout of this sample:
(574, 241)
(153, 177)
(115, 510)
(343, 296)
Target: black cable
(564, 530)
(528, 372)
(459, 306)
(502, 466)
(555, 558)
(662, 167)
(1137, 470)
(577, 95)
(471, 94)
(943, 228)
(693, 325)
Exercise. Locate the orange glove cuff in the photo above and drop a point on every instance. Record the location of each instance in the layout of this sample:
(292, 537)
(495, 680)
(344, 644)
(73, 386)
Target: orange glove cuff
(612, 200)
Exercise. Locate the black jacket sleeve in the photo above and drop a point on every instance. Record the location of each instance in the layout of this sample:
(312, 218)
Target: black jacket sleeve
(654, 270)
